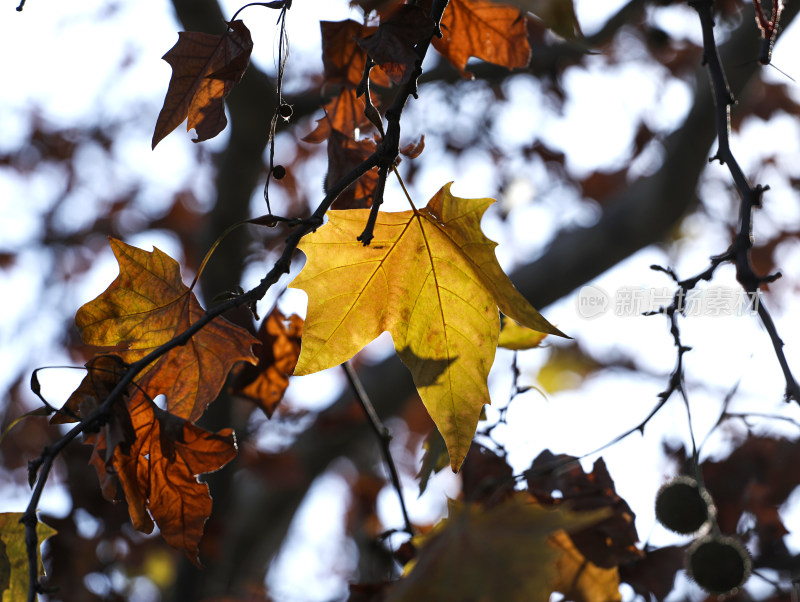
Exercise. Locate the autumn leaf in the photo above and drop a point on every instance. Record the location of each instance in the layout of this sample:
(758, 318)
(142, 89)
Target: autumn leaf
(265, 383)
(431, 279)
(518, 338)
(557, 15)
(152, 455)
(392, 46)
(486, 30)
(607, 543)
(342, 58)
(495, 554)
(344, 113)
(14, 581)
(147, 306)
(158, 473)
(577, 578)
(205, 67)
(344, 154)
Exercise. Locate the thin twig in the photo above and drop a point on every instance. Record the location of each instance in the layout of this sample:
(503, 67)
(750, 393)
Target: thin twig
(384, 436)
(750, 195)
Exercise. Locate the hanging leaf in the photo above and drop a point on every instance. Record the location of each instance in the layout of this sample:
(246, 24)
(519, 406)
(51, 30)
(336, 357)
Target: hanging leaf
(392, 46)
(342, 58)
(431, 279)
(265, 383)
(14, 580)
(452, 561)
(205, 68)
(518, 338)
(147, 306)
(486, 30)
(159, 473)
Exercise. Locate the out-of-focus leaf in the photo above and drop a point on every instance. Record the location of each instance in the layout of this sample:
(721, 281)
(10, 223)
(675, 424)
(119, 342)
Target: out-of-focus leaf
(205, 68)
(147, 306)
(486, 30)
(495, 554)
(344, 154)
(577, 578)
(431, 279)
(265, 383)
(654, 573)
(608, 542)
(14, 556)
(516, 337)
(342, 58)
(558, 15)
(434, 458)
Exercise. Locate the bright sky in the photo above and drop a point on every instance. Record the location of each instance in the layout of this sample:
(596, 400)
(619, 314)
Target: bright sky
(73, 70)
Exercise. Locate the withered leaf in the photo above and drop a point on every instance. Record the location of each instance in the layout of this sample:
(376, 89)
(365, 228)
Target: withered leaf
(610, 541)
(486, 30)
(344, 113)
(392, 46)
(147, 306)
(342, 59)
(159, 473)
(344, 154)
(265, 383)
(205, 67)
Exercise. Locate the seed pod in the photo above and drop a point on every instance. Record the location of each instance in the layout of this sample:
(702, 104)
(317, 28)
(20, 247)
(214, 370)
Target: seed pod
(683, 506)
(285, 111)
(718, 564)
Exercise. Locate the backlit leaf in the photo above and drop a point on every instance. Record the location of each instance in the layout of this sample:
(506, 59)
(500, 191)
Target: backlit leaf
(342, 58)
(577, 578)
(431, 279)
(205, 67)
(159, 473)
(495, 554)
(265, 383)
(516, 337)
(392, 46)
(145, 307)
(486, 30)
(14, 556)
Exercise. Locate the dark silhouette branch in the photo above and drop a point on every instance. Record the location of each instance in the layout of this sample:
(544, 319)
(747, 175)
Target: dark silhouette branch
(750, 195)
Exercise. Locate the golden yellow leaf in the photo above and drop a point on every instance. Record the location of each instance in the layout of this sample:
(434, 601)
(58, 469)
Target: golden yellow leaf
(577, 578)
(14, 555)
(147, 306)
(518, 338)
(431, 279)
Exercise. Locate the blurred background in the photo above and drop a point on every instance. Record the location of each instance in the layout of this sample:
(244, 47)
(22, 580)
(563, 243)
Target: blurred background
(599, 163)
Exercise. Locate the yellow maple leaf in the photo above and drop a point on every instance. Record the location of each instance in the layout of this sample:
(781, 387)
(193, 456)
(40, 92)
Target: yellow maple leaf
(431, 279)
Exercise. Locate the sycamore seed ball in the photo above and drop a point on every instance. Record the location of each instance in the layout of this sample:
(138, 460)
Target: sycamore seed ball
(683, 506)
(718, 564)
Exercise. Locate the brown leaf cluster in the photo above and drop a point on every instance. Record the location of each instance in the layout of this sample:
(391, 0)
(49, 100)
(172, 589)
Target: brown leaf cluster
(153, 455)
